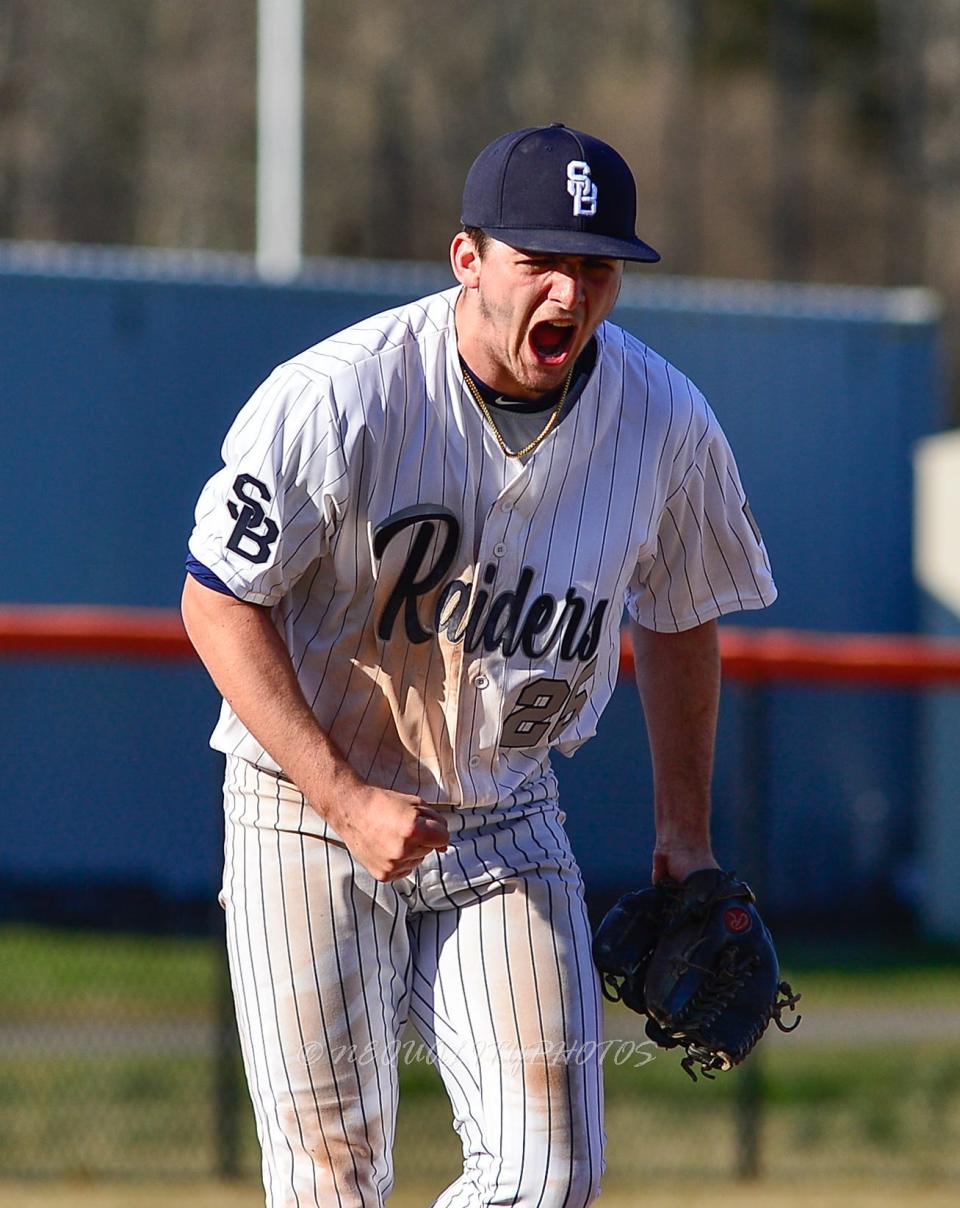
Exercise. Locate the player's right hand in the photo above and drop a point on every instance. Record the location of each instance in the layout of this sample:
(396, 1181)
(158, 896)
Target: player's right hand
(389, 833)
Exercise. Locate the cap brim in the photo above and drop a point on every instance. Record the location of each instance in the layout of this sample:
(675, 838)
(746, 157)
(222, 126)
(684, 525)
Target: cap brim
(577, 243)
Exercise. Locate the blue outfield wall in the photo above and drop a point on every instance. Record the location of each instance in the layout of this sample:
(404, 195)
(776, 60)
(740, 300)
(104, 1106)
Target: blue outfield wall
(119, 374)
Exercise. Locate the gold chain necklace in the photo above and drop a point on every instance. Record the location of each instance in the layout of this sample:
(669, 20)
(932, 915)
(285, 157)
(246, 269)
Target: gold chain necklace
(537, 440)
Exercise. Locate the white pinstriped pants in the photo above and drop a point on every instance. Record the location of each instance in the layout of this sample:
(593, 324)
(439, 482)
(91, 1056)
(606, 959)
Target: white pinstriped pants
(486, 949)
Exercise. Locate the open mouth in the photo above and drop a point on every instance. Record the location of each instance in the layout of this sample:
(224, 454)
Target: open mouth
(552, 341)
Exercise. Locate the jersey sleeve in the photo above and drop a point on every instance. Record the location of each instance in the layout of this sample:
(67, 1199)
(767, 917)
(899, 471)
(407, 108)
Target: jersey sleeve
(709, 557)
(273, 508)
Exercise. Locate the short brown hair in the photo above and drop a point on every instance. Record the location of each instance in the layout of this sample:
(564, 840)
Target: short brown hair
(480, 239)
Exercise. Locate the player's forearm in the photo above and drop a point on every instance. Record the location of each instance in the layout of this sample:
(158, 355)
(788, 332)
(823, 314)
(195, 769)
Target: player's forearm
(678, 677)
(247, 660)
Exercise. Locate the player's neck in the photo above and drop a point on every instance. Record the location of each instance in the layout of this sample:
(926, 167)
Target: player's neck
(501, 398)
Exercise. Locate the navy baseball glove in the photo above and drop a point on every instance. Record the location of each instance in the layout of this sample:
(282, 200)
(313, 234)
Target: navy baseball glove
(624, 943)
(697, 959)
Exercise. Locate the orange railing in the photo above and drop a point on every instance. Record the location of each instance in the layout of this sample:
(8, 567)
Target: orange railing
(752, 656)
(71, 630)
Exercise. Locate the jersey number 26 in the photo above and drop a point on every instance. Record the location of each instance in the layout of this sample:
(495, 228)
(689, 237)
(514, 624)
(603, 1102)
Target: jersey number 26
(545, 707)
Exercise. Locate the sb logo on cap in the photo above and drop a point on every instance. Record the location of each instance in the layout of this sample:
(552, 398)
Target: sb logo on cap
(581, 188)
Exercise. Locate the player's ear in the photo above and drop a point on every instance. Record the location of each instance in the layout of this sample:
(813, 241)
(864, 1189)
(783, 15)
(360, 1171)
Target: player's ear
(465, 260)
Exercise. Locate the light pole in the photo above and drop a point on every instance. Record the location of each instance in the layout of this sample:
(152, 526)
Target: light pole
(279, 139)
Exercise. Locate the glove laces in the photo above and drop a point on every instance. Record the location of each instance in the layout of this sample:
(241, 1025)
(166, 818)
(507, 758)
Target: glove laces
(711, 999)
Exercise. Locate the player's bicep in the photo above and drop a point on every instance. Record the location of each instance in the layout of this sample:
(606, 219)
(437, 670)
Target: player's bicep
(202, 605)
(236, 641)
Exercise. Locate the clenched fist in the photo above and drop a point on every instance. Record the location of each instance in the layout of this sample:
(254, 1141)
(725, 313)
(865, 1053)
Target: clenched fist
(389, 833)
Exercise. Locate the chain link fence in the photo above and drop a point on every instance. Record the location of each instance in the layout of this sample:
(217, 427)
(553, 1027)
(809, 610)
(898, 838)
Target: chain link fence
(118, 1059)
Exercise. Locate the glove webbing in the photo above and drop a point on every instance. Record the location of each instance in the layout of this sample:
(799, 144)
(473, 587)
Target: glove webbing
(716, 993)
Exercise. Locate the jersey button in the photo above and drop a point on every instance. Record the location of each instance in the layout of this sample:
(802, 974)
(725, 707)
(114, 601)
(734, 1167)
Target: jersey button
(506, 506)
(499, 550)
(480, 681)
(474, 761)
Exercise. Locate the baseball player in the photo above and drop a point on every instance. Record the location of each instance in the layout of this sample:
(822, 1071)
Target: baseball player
(407, 581)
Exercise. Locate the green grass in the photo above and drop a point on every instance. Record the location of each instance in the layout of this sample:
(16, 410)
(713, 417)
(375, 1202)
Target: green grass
(153, 1115)
(87, 1087)
(49, 971)
(79, 1115)
(881, 974)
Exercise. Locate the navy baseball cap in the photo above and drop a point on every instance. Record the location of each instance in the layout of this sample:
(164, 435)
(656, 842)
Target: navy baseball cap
(553, 189)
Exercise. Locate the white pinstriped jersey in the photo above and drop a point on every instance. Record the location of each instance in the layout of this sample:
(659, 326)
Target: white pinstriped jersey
(453, 614)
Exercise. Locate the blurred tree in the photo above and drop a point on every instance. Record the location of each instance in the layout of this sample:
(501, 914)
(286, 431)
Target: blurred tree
(72, 123)
(792, 22)
(940, 167)
(940, 145)
(686, 25)
(9, 54)
(198, 128)
(811, 139)
(901, 113)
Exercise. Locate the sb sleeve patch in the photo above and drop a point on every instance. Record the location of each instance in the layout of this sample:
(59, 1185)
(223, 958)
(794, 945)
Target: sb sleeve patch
(255, 532)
